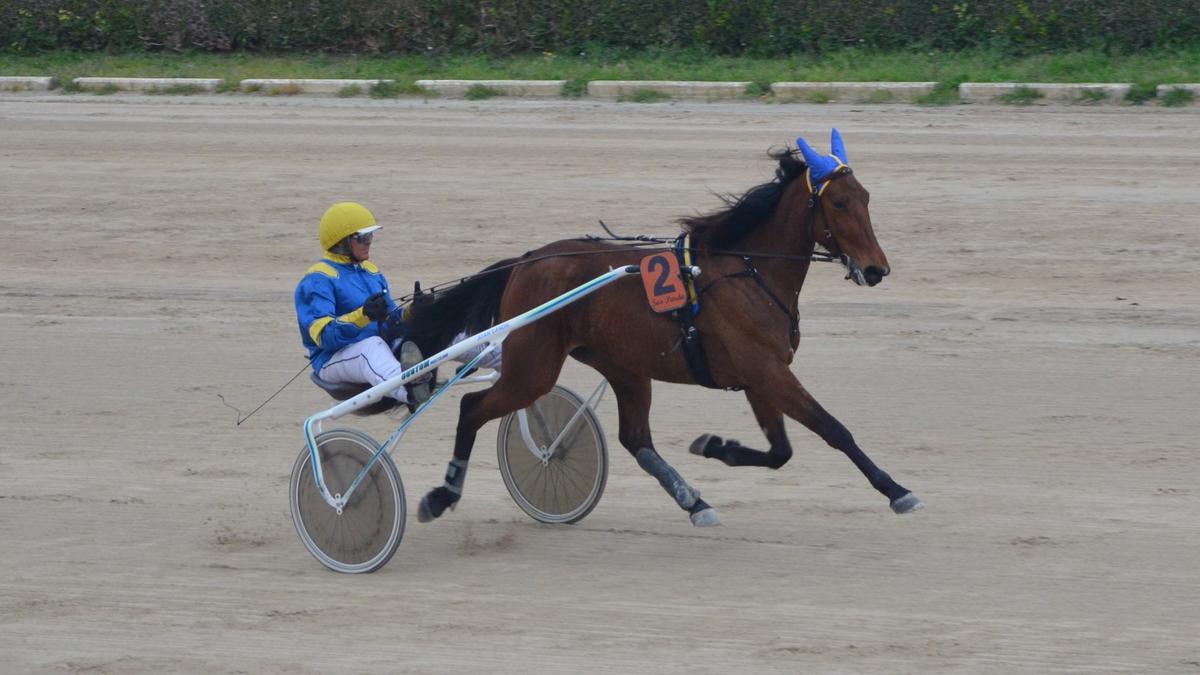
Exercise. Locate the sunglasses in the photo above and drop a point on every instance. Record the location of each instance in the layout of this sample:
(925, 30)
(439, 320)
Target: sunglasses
(364, 239)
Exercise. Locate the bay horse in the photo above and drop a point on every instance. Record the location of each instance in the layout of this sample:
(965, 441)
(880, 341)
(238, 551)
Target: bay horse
(754, 254)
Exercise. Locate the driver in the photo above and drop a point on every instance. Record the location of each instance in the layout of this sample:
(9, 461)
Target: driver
(347, 320)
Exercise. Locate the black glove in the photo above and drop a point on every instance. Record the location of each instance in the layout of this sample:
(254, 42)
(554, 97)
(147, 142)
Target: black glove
(376, 306)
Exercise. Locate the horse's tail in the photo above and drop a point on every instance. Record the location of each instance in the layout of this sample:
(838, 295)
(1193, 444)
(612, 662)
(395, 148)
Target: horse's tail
(471, 306)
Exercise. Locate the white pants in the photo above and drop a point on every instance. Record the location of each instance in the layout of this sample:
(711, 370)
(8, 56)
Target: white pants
(368, 361)
(372, 362)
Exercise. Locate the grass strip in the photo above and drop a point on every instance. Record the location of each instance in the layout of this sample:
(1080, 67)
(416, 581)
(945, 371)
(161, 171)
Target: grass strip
(1163, 66)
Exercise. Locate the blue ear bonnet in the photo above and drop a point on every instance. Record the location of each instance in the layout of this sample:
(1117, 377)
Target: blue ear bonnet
(822, 166)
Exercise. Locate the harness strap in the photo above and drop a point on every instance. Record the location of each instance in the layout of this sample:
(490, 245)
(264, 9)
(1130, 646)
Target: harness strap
(752, 272)
(683, 252)
(793, 319)
(693, 345)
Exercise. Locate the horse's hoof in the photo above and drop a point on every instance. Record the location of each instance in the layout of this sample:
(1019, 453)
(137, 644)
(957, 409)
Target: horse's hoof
(424, 513)
(704, 442)
(907, 504)
(705, 518)
(434, 504)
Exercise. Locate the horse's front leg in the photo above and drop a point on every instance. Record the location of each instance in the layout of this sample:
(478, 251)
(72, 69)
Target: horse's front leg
(733, 453)
(781, 389)
(633, 405)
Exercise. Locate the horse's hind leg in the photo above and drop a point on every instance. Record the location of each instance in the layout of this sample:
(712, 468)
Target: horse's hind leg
(633, 405)
(516, 389)
(783, 390)
(770, 420)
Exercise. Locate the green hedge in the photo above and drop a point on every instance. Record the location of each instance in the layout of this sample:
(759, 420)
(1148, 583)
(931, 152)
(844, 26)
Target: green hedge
(503, 27)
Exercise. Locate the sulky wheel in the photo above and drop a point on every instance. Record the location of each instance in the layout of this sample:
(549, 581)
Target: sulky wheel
(363, 537)
(565, 486)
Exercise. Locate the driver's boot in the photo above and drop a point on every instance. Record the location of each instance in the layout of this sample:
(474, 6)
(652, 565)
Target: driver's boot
(418, 390)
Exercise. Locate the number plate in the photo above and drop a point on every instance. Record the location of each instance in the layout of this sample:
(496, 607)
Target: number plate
(663, 282)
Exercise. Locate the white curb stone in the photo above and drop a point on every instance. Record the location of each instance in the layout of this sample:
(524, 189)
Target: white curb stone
(10, 83)
(1164, 89)
(706, 91)
(149, 83)
(858, 92)
(986, 92)
(307, 86)
(532, 88)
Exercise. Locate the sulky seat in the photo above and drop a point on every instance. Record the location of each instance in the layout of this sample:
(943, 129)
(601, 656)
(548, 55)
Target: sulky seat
(343, 391)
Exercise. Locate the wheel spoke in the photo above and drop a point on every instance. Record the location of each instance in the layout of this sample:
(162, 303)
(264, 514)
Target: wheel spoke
(567, 479)
(570, 483)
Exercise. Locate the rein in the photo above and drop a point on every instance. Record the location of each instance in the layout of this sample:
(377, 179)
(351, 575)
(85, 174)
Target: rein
(816, 256)
(641, 240)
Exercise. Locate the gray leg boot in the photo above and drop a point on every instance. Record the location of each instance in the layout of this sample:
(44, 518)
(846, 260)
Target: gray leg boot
(686, 496)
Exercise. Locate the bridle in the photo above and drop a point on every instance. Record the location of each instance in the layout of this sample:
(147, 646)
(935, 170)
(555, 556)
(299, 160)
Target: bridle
(853, 271)
(835, 252)
(814, 205)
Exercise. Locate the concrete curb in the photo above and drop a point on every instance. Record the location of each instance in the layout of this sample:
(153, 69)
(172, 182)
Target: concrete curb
(528, 88)
(10, 83)
(814, 92)
(286, 87)
(705, 91)
(1084, 92)
(150, 83)
(1164, 89)
(857, 92)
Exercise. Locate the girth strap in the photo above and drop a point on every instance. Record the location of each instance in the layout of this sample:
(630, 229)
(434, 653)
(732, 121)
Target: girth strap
(693, 345)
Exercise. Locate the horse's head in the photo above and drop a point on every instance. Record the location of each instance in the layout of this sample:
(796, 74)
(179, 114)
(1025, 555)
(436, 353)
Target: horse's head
(838, 218)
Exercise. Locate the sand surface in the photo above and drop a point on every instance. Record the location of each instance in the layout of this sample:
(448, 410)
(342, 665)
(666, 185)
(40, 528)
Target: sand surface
(1031, 369)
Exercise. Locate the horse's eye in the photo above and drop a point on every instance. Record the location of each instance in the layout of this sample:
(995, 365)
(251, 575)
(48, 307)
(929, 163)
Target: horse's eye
(840, 205)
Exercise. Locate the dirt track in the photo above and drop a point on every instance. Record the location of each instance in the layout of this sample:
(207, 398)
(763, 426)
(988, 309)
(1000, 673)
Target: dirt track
(1031, 369)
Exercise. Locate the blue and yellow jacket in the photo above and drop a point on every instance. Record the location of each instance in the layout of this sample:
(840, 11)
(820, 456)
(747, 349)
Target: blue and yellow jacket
(329, 303)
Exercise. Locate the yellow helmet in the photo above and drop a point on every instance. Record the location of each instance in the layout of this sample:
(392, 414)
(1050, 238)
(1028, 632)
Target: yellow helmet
(344, 219)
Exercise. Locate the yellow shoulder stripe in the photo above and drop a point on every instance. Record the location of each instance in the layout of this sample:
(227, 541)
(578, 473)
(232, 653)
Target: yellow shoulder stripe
(370, 267)
(323, 268)
(315, 328)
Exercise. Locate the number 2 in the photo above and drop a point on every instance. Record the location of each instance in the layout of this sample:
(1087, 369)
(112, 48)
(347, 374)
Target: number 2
(660, 285)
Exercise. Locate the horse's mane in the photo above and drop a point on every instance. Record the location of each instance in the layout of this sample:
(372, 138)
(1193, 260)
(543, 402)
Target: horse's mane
(471, 306)
(726, 227)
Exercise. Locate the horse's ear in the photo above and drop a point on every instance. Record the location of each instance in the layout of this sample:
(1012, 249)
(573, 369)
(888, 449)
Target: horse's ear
(838, 147)
(819, 165)
(811, 157)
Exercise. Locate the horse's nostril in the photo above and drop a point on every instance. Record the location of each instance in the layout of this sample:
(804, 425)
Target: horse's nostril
(874, 275)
